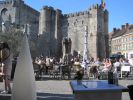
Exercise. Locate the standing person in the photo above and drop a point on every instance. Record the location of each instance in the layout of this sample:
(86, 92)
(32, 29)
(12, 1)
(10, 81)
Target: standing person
(47, 64)
(79, 70)
(5, 59)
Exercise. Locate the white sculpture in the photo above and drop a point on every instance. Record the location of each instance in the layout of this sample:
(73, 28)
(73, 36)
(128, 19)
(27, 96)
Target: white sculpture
(24, 80)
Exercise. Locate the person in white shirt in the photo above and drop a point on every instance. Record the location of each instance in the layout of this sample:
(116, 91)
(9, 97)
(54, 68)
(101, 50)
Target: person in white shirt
(117, 66)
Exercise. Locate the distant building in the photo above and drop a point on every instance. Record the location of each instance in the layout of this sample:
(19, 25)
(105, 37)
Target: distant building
(54, 25)
(122, 40)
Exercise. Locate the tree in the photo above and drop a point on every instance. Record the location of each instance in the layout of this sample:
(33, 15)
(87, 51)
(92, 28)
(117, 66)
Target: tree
(13, 37)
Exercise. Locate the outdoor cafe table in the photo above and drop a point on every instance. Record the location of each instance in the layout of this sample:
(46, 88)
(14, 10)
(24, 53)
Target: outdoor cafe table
(96, 90)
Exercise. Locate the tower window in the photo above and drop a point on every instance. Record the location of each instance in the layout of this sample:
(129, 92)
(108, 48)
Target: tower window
(82, 22)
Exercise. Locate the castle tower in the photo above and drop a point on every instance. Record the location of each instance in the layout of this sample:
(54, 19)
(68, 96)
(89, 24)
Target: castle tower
(98, 31)
(45, 28)
(45, 20)
(106, 31)
(94, 18)
(50, 27)
(58, 32)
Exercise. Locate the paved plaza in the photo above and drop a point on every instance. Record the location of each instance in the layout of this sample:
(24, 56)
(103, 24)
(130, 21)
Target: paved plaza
(58, 90)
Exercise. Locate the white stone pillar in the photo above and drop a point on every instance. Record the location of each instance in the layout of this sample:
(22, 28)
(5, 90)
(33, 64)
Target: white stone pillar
(85, 51)
(24, 80)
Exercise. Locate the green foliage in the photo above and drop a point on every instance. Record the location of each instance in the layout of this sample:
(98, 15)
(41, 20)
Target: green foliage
(13, 39)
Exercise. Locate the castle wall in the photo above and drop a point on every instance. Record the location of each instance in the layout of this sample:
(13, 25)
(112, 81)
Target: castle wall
(58, 33)
(45, 28)
(50, 25)
(106, 20)
(53, 25)
(73, 27)
(28, 15)
(93, 39)
(6, 9)
(21, 14)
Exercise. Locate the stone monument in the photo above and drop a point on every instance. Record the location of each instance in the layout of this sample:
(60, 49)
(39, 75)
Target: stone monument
(24, 81)
(67, 50)
(85, 50)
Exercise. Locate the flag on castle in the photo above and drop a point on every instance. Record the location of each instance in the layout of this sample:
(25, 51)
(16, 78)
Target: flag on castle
(103, 4)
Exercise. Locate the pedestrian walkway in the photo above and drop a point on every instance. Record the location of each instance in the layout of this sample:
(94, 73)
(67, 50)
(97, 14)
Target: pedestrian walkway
(58, 90)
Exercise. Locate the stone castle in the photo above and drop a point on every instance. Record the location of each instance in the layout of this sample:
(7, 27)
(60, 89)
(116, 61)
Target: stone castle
(54, 25)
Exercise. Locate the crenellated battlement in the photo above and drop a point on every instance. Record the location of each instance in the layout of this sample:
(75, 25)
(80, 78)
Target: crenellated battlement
(87, 12)
(49, 8)
(31, 9)
(4, 3)
(76, 14)
(106, 11)
(11, 2)
(58, 11)
(96, 7)
(45, 7)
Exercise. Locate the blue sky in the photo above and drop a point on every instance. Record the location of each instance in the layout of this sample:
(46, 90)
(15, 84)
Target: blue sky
(120, 11)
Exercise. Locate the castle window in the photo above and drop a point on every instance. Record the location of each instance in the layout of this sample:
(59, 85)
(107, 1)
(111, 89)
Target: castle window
(4, 14)
(90, 15)
(99, 26)
(82, 22)
(67, 24)
(74, 23)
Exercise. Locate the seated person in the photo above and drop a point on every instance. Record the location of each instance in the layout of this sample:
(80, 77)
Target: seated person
(107, 65)
(117, 66)
(77, 65)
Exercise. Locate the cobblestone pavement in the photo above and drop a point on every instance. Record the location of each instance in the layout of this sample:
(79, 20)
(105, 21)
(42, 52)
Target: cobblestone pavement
(59, 90)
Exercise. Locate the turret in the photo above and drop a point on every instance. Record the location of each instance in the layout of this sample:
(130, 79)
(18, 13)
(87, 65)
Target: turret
(58, 32)
(98, 29)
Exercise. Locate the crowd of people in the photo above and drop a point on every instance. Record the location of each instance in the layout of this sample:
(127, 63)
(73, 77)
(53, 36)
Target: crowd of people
(46, 64)
(93, 66)
(96, 67)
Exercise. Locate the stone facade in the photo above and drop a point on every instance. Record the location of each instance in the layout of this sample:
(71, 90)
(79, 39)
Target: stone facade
(122, 40)
(54, 25)
(57, 25)
(50, 24)
(19, 14)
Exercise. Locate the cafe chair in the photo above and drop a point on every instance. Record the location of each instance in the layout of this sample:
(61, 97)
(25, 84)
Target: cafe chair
(130, 87)
(125, 69)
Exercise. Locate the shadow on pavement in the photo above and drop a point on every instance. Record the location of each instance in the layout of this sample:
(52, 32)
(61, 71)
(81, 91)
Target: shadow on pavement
(43, 96)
